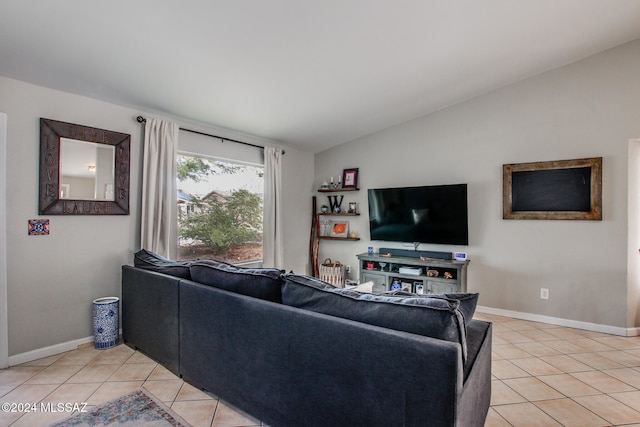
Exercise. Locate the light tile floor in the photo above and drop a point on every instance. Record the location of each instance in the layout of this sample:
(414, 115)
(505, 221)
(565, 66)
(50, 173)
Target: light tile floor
(542, 375)
(547, 375)
(96, 376)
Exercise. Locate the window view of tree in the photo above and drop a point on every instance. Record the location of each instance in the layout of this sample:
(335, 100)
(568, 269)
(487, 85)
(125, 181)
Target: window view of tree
(219, 210)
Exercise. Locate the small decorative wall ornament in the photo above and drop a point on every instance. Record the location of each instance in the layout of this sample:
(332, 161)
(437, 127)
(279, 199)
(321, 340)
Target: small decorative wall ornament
(38, 227)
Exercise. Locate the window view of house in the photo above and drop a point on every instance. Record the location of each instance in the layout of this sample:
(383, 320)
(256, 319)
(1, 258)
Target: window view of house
(219, 210)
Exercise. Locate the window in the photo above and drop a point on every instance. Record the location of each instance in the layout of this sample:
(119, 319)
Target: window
(220, 205)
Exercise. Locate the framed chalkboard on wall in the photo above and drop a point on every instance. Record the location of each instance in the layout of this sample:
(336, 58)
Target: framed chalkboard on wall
(561, 189)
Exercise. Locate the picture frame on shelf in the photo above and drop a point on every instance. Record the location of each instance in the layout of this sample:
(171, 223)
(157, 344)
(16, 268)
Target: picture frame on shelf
(350, 178)
(340, 229)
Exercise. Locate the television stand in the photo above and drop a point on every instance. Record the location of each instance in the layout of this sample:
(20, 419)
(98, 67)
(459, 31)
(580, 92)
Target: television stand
(434, 276)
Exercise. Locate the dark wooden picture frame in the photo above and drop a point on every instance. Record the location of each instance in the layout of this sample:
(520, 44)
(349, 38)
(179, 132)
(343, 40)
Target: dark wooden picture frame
(49, 202)
(561, 189)
(350, 178)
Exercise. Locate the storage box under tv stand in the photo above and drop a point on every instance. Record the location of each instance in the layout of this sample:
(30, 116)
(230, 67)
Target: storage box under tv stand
(431, 284)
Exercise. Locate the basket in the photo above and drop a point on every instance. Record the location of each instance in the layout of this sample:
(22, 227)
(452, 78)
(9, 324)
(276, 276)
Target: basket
(332, 272)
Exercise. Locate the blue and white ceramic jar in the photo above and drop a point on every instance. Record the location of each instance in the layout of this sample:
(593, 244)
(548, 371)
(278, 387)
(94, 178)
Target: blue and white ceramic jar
(106, 321)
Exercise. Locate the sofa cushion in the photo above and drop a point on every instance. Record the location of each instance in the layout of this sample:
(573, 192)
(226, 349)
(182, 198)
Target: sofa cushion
(148, 260)
(433, 317)
(263, 283)
(468, 302)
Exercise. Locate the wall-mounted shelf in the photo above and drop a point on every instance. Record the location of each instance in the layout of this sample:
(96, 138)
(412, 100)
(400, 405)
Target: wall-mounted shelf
(338, 214)
(338, 238)
(333, 190)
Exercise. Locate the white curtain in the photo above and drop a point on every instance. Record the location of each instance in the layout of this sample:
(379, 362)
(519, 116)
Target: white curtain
(272, 241)
(159, 231)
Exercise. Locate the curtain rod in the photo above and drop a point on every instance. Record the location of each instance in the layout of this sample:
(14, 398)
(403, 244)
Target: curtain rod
(141, 119)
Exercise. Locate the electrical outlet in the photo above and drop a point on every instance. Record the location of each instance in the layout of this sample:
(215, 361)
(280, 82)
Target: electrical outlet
(544, 293)
(347, 268)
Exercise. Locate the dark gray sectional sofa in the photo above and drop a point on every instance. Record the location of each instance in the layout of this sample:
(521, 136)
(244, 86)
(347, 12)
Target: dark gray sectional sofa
(294, 351)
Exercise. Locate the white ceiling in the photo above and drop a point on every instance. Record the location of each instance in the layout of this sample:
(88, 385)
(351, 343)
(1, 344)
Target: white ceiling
(311, 74)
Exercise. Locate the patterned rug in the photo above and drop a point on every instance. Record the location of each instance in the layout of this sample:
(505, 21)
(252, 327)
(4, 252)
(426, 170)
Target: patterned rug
(139, 408)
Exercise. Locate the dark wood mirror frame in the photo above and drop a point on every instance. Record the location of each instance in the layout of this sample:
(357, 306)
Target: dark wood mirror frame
(543, 192)
(50, 202)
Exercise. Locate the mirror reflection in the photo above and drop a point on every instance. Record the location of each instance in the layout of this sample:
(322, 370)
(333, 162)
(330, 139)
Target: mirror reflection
(87, 170)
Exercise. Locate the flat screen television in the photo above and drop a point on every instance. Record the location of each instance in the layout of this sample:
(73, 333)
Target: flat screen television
(425, 214)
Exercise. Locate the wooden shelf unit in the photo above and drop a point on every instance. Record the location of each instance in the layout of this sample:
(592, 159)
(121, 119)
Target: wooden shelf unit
(342, 214)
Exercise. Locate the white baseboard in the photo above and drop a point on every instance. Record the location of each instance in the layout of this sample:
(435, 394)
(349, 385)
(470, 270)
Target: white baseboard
(40, 353)
(47, 351)
(595, 327)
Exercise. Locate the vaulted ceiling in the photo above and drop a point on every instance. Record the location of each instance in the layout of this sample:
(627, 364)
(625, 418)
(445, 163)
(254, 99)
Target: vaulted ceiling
(310, 74)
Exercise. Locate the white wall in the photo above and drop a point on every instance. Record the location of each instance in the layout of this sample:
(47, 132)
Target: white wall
(586, 109)
(52, 280)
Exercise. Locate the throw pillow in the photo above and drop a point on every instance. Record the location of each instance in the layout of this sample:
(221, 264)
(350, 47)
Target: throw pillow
(366, 287)
(152, 261)
(263, 283)
(433, 317)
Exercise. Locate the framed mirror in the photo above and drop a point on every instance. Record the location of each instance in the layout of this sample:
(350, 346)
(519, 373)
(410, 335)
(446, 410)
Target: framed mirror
(83, 170)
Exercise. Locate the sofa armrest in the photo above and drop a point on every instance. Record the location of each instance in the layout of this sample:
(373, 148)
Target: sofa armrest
(150, 315)
(476, 395)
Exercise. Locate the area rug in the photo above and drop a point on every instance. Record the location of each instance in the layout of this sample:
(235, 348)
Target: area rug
(139, 408)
